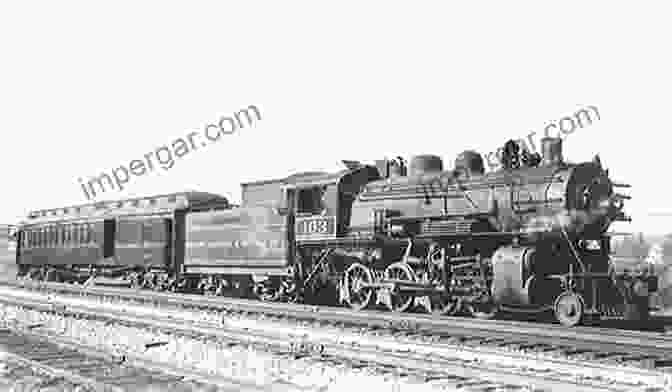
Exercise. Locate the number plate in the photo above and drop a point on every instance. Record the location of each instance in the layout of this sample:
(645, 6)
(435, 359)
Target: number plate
(316, 227)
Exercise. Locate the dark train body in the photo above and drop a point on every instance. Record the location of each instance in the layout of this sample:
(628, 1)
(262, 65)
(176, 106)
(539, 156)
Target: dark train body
(527, 238)
(7, 249)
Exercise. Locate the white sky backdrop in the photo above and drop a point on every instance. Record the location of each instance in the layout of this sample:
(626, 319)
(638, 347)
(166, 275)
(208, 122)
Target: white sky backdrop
(86, 87)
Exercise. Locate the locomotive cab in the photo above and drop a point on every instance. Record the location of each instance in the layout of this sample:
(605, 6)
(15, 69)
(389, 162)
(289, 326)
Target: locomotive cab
(321, 202)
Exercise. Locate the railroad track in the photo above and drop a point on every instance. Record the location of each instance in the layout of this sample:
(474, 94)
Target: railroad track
(435, 357)
(638, 348)
(87, 369)
(48, 352)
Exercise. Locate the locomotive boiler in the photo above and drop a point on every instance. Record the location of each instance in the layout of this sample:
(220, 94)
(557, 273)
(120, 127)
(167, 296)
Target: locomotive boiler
(529, 237)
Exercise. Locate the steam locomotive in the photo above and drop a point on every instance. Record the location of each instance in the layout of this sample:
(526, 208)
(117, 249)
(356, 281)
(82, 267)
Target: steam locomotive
(530, 237)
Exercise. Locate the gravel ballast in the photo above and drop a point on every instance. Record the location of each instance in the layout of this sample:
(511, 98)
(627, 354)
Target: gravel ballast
(249, 365)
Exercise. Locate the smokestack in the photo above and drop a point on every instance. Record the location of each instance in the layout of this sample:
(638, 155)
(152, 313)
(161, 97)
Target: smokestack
(551, 151)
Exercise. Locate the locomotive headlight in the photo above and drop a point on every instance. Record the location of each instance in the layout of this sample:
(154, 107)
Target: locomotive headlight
(606, 203)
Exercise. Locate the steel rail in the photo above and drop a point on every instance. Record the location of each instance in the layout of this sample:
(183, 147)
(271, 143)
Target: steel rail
(126, 359)
(72, 362)
(608, 339)
(65, 374)
(132, 361)
(368, 354)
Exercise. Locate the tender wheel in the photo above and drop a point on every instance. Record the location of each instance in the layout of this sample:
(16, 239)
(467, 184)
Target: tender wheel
(358, 297)
(268, 290)
(569, 309)
(400, 302)
(52, 276)
(136, 280)
(208, 286)
(35, 274)
(149, 281)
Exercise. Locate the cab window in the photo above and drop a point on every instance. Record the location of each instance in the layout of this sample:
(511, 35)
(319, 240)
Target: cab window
(311, 200)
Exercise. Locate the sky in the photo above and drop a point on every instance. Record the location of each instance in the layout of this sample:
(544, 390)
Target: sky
(88, 86)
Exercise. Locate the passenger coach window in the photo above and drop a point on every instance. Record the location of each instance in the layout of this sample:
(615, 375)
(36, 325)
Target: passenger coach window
(75, 235)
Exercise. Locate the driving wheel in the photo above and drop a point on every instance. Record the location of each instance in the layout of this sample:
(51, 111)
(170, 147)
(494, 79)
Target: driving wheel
(358, 296)
(399, 301)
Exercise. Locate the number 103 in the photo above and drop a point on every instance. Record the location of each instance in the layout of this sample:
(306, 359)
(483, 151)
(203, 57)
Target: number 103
(316, 226)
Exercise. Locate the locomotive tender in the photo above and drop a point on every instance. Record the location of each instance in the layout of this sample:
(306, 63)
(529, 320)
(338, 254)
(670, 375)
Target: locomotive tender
(529, 237)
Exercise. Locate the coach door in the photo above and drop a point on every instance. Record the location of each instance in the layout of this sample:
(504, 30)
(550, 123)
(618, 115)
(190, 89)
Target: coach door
(156, 236)
(168, 242)
(109, 237)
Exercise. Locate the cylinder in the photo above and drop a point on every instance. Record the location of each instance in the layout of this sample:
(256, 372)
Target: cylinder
(551, 150)
(421, 164)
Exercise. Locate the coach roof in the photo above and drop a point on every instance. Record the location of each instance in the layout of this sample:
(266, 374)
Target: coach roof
(147, 205)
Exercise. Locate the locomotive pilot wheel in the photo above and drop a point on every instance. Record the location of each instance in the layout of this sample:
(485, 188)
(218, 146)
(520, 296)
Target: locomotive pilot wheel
(483, 310)
(400, 302)
(569, 309)
(358, 297)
